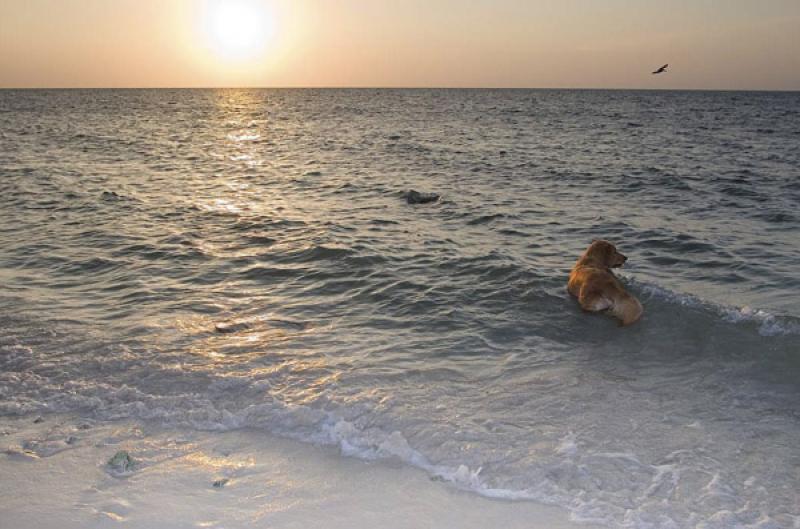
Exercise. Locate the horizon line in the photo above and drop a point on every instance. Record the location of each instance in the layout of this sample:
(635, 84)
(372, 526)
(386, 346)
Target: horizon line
(344, 87)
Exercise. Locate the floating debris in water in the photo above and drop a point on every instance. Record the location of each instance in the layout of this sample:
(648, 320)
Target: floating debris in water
(416, 197)
(231, 327)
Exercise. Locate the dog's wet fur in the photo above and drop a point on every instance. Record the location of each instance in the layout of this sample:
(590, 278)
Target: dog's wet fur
(596, 286)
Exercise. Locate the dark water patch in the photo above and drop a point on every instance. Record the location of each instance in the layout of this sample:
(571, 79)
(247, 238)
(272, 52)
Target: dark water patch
(629, 186)
(743, 192)
(717, 264)
(93, 265)
(314, 254)
(400, 291)
(665, 260)
(680, 243)
(722, 275)
(486, 219)
(336, 286)
(674, 182)
(384, 222)
(602, 228)
(266, 223)
(776, 217)
(512, 232)
(490, 267)
(258, 240)
(732, 204)
(346, 187)
(153, 252)
(268, 274)
(177, 239)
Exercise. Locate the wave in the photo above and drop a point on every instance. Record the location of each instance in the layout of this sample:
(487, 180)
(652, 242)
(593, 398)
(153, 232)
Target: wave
(768, 323)
(165, 389)
(550, 481)
(105, 401)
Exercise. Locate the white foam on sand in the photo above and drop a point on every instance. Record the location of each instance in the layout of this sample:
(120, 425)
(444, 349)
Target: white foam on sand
(56, 475)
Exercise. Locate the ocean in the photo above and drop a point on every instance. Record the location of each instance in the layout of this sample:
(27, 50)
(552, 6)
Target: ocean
(224, 260)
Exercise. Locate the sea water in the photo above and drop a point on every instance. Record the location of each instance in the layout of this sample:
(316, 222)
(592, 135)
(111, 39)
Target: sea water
(225, 259)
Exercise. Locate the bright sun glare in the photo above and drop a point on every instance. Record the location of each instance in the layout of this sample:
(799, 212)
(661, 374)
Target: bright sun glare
(238, 29)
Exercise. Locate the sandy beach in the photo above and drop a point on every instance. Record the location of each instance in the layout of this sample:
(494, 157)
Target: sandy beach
(56, 475)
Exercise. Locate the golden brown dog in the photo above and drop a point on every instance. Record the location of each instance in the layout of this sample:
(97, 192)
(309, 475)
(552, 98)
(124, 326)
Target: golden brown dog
(596, 287)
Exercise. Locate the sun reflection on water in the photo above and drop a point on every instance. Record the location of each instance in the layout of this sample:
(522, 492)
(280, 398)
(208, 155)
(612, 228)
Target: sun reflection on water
(238, 341)
(262, 351)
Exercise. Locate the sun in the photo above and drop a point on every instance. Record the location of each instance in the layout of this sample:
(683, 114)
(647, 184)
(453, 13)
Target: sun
(238, 30)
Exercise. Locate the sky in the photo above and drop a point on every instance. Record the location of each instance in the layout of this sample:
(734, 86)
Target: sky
(709, 44)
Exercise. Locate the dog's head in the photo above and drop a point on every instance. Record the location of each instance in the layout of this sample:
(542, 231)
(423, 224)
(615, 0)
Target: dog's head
(603, 253)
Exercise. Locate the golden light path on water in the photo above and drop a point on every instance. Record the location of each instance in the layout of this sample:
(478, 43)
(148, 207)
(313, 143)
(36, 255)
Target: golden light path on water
(240, 141)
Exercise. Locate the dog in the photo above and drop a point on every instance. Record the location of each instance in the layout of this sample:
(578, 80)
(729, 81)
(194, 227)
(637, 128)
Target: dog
(596, 287)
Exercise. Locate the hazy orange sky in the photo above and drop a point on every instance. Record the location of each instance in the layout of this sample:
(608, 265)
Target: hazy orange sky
(725, 44)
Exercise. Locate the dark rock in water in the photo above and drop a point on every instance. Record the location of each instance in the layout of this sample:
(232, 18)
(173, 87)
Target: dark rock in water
(415, 197)
(121, 463)
(231, 326)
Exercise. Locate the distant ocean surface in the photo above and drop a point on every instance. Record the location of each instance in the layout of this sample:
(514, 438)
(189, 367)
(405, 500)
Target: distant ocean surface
(225, 259)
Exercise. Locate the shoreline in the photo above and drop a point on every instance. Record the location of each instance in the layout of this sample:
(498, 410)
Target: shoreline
(56, 476)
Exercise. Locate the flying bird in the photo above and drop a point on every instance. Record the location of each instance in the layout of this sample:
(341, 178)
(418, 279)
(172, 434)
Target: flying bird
(661, 70)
